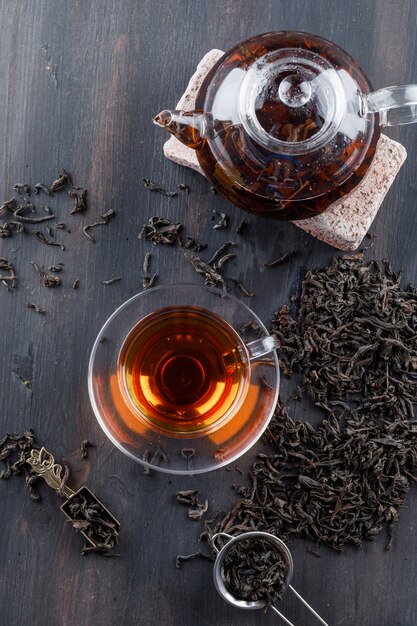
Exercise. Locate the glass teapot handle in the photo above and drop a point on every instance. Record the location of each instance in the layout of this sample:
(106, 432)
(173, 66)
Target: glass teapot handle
(395, 105)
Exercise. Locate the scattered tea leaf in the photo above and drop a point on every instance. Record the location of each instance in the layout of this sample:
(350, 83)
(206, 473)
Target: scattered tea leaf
(212, 278)
(22, 189)
(161, 230)
(7, 228)
(110, 281)
(35, 307)
(223, 221)
(105, 219)
(196, 508)
(48, 241)
(242, 288)
(223, 248)
(149, 184)
(7, 206)
(149, 281)
(84, 448)
(76, 283)
(28, 206)
(192, 244)
(79, 200)
(223, 260)
(242, 227)
(61, 181)
(184, 187)
(280, 259)
(41, 187)
(188, 454)
(9, 279)
(183, 558)
(147, 262)
(47, 280)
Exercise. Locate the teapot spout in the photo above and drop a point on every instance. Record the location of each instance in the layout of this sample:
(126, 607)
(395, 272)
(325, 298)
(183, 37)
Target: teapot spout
(187, 126)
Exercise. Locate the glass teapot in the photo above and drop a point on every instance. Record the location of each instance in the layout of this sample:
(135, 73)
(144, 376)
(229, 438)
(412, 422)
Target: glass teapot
(286, 123)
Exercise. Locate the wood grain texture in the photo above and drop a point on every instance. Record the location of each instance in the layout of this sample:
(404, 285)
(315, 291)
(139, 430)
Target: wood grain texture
(79, 84)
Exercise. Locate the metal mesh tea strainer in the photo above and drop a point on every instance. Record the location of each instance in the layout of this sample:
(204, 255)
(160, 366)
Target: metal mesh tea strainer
(285, 554)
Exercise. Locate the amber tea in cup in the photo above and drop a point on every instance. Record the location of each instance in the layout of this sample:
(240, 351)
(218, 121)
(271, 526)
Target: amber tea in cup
(183, 370)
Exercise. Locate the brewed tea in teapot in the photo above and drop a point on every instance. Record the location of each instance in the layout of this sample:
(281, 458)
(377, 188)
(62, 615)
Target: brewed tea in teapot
(286, 123)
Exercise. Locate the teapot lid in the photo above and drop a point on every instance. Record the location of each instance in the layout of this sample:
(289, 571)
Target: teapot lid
(285, 116)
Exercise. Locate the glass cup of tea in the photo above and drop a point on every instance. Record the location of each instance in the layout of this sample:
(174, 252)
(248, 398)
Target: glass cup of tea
(183, 378)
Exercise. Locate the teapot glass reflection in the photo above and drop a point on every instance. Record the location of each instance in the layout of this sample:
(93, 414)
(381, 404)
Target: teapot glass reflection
(286, 123)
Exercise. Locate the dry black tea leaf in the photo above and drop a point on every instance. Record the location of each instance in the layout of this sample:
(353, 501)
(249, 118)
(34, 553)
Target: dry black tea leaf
(14, 452)
(183, 558)
(242, 227)
(212, 277)
(84, 448)
(22, 189)
(147, 262)
(192, 244)
(7, 206)
(159, 455)
(35, 307)
(79, 200)
(48, 241)
(223, 248)
(61, 181)
(149, 184)
(161, 230)
(76, 283)
(196, 508)
(223, 221)
(105, 219)
(110, 281)
(149, 281)
(223, 260)
(7, 274)
(188, 454)
(243, 289)
(280, 259)
(56, 268)
(184, 187)
(28, 206)
(47, 280)
(41, 187)
(7, 228)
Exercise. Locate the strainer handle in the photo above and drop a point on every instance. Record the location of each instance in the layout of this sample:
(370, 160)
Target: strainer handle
(219, 536)
(284, 619)
(307, 605)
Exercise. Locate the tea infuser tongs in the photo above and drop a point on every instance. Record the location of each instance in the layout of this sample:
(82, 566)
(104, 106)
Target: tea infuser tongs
(257, 604)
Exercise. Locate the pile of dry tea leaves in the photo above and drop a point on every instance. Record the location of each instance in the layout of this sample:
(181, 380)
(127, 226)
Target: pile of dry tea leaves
(354, 344)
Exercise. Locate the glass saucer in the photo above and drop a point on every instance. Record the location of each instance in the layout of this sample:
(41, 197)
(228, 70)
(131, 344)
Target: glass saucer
(192, 453)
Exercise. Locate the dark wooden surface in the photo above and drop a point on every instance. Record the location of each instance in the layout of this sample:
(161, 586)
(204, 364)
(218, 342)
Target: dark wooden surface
(79, 84)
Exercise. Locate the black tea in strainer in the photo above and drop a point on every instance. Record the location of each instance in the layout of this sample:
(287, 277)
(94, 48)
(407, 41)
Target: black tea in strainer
(288, 567)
